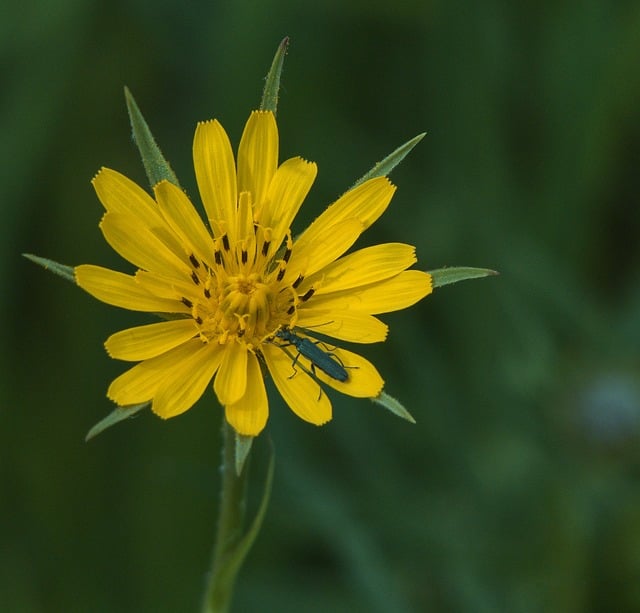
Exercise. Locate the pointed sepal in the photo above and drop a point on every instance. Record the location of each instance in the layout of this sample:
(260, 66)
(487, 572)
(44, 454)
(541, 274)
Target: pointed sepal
(155, 164)
(447, 276)
(116, 416)
(243, 447)
(66, 272)
(271, 90)
(393, 405)
(384, 167)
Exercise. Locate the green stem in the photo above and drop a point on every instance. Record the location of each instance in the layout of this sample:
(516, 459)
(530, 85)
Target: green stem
(229, 531)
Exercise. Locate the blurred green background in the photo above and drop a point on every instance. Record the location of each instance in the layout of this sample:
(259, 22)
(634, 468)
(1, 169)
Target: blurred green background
(518, 489)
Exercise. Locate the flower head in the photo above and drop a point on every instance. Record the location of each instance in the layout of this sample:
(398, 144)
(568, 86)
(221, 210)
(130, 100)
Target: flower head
(239, 295)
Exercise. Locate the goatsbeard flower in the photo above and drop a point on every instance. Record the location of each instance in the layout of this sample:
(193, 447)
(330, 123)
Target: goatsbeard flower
(240, 296)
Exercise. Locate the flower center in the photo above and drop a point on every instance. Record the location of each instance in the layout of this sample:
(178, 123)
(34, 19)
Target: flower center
(240, 296)
(245, 306)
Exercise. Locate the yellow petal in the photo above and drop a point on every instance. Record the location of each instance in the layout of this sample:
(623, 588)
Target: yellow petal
(364, 380)
(287, 191)
(344, 325)
(328, 245)
(369, 265)
(119, 194)
(183, 386)
(166, 287)
(231, 381)
(366, 202)
(144, 342)
(140, 383)
(249, 415)
(140, 246)
(123, 291)
(302, 393)
(184, 220)
(244, 216)
(216, 174)
(258, 155)
(393, 294)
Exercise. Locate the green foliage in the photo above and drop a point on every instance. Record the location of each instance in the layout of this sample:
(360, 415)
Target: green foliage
(243, 448)
(447, 276)
(66, 272)
(155, 164)
(272, 81)
(385, 166)
(116, 416)
(393, 405)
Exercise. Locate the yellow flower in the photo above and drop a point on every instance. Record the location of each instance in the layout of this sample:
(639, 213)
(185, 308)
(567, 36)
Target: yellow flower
(240, 296)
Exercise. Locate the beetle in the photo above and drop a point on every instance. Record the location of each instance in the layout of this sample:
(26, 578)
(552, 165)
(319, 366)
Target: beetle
(319, 358)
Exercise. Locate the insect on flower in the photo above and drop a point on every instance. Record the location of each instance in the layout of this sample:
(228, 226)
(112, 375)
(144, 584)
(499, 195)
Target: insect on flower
(326, 361)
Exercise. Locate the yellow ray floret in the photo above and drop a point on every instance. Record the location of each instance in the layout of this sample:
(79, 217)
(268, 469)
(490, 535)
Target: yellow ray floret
(149, 341)
(389, 295)
(215, 172)
(250, 413)
(123, 291)
(258, 155)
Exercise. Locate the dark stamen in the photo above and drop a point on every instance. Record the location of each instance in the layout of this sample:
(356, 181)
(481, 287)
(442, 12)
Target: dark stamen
(195, 278)
(218, 257)
(265, 247)
(245, 256)
(187, 302)
(194, 260)
(307, 295)
(225, 242)
(207, 293)
(297, 281)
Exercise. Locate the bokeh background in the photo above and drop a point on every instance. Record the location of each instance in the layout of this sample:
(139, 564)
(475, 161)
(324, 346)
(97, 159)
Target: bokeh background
(518, 489)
